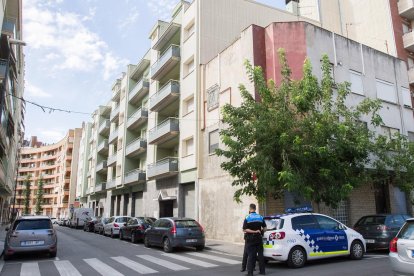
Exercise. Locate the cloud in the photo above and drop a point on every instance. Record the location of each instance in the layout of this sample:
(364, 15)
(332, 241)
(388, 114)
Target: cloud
(68, 41)
(130, 19)
(35, 92)
(162, 8)
(51, 135)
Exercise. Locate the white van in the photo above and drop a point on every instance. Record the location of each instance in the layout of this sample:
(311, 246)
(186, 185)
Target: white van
(79, 217)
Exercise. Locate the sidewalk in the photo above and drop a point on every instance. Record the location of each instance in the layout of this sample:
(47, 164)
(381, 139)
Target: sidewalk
(230, 248)
(2, 237)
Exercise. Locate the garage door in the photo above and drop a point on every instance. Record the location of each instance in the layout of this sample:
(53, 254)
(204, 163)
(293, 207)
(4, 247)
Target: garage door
(189, 200)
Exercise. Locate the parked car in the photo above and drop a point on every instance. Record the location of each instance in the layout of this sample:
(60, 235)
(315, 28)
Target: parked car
(89, 225)
(299, 236)
(79, 217)
(99, 225)
(30, 234)
(134, 229)
(175, 232)
(54, 220)
(149, 220)
(402, 250)
(378, 230)
(113, 225)
(65, 222)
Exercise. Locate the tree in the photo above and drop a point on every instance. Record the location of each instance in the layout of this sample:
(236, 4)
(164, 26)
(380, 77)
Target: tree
(303, 138)
(26, 194)
(39, 196)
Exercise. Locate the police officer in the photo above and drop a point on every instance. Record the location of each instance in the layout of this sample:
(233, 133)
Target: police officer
(253, 226)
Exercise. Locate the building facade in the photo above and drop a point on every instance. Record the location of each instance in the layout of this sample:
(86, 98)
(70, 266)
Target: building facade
(11, 107)
(53, 164)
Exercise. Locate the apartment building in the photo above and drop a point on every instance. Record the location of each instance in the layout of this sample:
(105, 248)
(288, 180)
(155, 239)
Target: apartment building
(53, 164)
(11, 108)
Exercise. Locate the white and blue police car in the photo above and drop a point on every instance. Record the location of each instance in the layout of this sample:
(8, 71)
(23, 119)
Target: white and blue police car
(300, 235)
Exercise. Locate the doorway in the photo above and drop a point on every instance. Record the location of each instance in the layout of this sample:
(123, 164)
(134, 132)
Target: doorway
(166, 208)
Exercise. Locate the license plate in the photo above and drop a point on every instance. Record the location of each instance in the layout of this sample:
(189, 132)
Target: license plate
(30, 243)
(191, 240)
(370, 241)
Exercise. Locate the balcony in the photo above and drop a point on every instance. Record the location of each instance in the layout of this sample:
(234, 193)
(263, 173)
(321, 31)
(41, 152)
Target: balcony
(411, 75)
(111, 184)
(141, 66)
(406, 8)
(163, 168)
(112, 160)
(114, 113)
(116, 92)
(3, 68)
(408, 40)
(103, 147)
(9, 27)
(100, 187)
(166, 62)
(3, 169)
(104, 127)
(113, 136)
(136, 147)
(165, 96)
(139, 91)
(137, 118)
(102, 167)
(166, 36)
(134, 177)
(163, 132)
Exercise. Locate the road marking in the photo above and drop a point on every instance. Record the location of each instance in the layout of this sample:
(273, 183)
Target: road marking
(223, 253)
(189, 260)
(163, 263)
(30, 269)
(1, 265)
(65, 268)
(57, 259)
(134, 265)
(214, 258)
(102, 268)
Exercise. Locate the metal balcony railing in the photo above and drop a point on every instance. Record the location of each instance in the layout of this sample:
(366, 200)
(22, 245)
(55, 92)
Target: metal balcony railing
(111, 183)
(163, 168)
(114, 113)
(137, 118)
(113, 136)
(168, 59)
(112, 160)
(165, 95)
(100, 187)
(134, 176)
(138, 92)
(136, 147)
(104, 127)
(406, 8)
(9, 26)
(103, 146)
(101, 166)
(166, 130)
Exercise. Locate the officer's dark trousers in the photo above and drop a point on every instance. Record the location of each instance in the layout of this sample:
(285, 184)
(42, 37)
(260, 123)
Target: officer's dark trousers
(245, 255)
(254, 250)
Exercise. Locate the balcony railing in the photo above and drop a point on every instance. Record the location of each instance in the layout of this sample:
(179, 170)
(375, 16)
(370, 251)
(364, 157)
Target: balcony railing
(406, 8)
(165, 96)
(113, 136)
(163, 168)
(9, 27)
(3, 68)
(102, 167)
(137, 118)
(116, 93)
(112, 160)
(411, 75)
(100, 187)
(104, 127)
(408, 40)
(166, 62)
(111, 183)
(163, 132)
(114, 113)
(103, 147)
(136, 147)
(139, 91)
(134, 177)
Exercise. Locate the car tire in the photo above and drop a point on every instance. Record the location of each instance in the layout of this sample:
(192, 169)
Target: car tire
(200, 248)
(356, 250)
(53, 254)
(167, 245)
(133, 239)
(146, 242)
(297, 257)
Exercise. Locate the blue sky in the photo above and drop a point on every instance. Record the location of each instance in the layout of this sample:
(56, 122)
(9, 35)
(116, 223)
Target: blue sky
(76, 49)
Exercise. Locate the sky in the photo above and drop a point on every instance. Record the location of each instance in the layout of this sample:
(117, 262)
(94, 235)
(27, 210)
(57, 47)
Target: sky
(75, 51)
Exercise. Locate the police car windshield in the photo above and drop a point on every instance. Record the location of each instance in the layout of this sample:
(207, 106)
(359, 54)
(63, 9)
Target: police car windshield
(273, 223)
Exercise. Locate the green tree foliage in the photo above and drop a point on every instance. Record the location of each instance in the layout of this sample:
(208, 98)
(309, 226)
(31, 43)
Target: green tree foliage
(303, 138)
(26, 194)
(39, 196)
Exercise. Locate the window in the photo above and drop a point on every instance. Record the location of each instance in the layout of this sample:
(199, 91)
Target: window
(32, 224)
(188, 147)
(411, 136)
(212, 97)
(186, 224)
(213, 141)
(407, 232)
(189, 105)
(356, 82)
(326, 223)
(389, 132)
(189, 30)
(371, 220)
(164, 224)
(405, 28)
(304, 222)
(386, 91)
(406, 97)
(189, 66)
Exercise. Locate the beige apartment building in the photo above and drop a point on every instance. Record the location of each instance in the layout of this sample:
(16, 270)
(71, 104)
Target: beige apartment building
(11, 108)
(53, 164)
(151, 148)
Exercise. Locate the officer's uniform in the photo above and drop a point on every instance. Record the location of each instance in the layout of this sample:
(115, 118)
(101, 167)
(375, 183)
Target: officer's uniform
(254, 242)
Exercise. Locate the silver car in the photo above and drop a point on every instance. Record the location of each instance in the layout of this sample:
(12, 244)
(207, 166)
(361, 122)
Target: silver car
(113, 225)
(30, 234)
(402, 250)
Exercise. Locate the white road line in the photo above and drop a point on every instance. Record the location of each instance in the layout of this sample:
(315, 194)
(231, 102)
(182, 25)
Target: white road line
(65, 268)
(214, 258)
(163, 263)
(57, 259)
(102, 268)
(189, 260)
(30, 269)
(134, 265)
(223, 253)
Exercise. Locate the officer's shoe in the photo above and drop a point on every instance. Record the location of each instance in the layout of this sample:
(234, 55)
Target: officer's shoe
(242, 270)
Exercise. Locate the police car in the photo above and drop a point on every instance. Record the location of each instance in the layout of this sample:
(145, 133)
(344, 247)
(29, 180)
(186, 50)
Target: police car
(300, 235)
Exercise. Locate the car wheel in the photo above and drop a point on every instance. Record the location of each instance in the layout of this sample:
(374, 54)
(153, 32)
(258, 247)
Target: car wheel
(52, 254)
(167, 246)
(297, 257)
(200, 248)
(146, 242)
(121, 237)
(357, 250)
(133, 239)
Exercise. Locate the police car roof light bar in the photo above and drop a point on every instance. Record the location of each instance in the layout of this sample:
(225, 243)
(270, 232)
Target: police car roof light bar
(303, 209)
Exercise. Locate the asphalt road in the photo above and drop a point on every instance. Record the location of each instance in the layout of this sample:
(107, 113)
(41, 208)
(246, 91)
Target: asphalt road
(82, 253)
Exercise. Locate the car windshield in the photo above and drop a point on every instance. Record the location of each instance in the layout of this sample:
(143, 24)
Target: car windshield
(274, 223)
(146, 220)
(407, 232)
(32, 224)
(372, 220)
(185, 223)
(122, 219)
